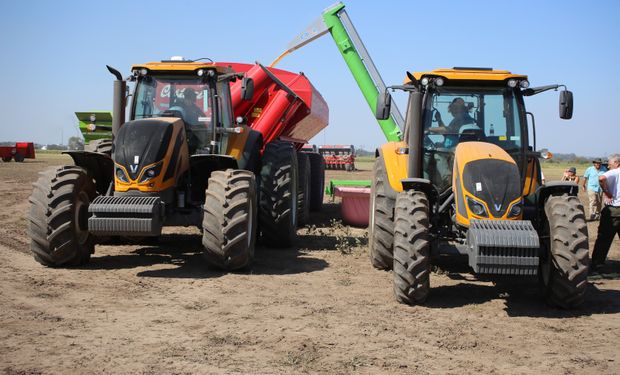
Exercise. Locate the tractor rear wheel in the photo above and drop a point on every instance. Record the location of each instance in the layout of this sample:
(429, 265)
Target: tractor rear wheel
(381, 225)
(229, 220)
(303, 192)
(19, 158)
(411, 248)
(564, 266)
(59, 217)
(102, 146)
(278, 195)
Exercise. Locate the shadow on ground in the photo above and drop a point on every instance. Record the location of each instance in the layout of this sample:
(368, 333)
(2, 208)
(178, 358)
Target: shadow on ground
(522, 297)
(184, 251)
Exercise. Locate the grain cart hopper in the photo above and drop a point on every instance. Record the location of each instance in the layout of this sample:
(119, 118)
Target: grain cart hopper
(182, 160)
(470, 185)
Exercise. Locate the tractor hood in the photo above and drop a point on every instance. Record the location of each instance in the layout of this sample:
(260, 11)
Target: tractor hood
(486, 176)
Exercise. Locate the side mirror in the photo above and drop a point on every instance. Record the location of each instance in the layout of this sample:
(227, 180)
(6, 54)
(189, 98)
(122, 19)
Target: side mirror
(247, 89)
(545, 154)
(566, 104)
(384, 104)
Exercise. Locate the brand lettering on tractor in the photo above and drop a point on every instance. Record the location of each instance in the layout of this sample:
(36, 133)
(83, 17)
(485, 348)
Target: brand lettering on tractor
(498, 206)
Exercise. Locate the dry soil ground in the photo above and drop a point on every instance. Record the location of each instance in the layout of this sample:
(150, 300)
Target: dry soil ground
(315, 308)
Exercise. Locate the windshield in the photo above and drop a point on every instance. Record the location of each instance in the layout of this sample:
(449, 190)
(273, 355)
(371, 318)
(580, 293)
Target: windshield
(454, 115)
(186, 98)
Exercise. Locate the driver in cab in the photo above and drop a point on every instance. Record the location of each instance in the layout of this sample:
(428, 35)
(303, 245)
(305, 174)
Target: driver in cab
(461, 117)
(191, 111)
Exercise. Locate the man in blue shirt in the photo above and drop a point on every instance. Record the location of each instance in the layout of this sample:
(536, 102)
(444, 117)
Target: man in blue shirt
(592, 186)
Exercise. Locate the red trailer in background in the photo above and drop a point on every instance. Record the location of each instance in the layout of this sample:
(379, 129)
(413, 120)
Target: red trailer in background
(338, 156)
(19, 152)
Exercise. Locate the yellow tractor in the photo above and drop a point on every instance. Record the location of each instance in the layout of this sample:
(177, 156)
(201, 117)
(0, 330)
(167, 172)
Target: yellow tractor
(466, 180)
(183, 160)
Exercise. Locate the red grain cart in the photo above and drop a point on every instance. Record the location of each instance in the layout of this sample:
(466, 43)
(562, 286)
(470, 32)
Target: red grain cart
(19, 152)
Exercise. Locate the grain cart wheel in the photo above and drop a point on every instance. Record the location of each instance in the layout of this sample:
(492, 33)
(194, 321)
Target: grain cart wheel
(411, 248)
(303, 192)
(229, 221)
(317, 181)
(19, 158)
(6, 159)
(381, 225)
(59, 217)
(103, 146)
(564, 265)
(348, 167)
(278, 194)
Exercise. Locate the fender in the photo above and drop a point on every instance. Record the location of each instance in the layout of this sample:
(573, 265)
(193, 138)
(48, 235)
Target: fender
(395, 163)
(554, 188)
(99, 166)
(251, 158)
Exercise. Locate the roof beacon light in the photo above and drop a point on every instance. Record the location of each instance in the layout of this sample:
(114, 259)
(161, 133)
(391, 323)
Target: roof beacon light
(177, 58)
(524, 84)
(512, 83)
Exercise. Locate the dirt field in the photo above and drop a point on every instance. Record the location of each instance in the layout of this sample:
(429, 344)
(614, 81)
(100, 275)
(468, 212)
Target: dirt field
(316, 308)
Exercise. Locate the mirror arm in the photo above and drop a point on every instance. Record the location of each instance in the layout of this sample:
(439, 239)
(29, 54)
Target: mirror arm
(538, 90)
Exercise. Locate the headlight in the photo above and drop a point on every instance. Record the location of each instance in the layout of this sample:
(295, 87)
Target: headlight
(121, 175)
(512, 83)
(424, 81)
(439, 81)
(524, 84)
(150, 172)
(476, 207)
(516, 209)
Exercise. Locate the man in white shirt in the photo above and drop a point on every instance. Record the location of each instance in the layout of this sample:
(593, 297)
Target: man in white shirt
(609, 226)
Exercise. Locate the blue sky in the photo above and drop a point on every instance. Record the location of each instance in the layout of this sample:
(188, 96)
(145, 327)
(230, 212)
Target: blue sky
(55, 52)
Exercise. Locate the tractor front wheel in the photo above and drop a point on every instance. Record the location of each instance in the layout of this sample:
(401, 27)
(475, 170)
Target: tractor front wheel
(411, 248)
(59, 217)
(229, 221)
(564, 265)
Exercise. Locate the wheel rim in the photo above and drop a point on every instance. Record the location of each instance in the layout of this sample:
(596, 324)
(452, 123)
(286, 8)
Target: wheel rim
(294, 198)
(250, 225)
(81, 217)
(373, 205)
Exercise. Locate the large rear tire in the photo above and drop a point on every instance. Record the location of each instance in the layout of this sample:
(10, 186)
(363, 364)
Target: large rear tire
(381, 225)
(278, 195)
(102, 146)
(303, 192)
(564, 266)
(229, 221)
(59, 217)
(317, 181)
(411, 248)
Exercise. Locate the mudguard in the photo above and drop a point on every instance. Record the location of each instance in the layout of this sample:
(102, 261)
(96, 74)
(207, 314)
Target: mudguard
(99, 166)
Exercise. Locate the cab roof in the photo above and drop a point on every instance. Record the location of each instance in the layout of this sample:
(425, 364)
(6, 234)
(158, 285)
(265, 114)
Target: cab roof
(470, 74)
(183, 66)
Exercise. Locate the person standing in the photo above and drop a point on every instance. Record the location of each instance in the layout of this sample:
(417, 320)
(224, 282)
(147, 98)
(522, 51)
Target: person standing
(570, 174)
(609, 226)
(592, 186)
